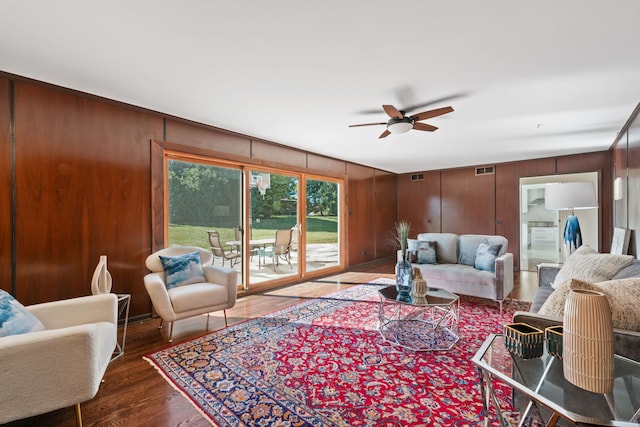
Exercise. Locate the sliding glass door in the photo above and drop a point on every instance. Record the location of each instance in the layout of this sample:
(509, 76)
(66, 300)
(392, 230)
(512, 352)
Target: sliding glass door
(205, 208)
(273, 217)
(251, 219)
(322, 224)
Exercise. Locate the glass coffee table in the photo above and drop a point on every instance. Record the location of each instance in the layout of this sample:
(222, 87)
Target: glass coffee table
(426, 324)
(541, 381)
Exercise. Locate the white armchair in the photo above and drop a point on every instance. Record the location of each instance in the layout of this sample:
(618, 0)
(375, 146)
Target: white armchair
(217, 293)
(61, 366)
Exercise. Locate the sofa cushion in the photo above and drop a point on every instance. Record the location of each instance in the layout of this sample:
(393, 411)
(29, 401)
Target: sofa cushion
(428, 249)
(446, 246)
(587, 264)
(198, 295)
(631, 270)
(486, 257)
(15, 318)
(457, 273)
(182, 269)
(623, 296)
(468, 246)
(541, 296)
(426, 253)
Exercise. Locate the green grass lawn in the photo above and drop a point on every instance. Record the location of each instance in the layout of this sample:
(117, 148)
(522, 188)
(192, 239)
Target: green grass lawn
(320, 229)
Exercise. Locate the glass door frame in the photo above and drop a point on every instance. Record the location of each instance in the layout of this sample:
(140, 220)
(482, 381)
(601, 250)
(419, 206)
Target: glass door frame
(161, 211)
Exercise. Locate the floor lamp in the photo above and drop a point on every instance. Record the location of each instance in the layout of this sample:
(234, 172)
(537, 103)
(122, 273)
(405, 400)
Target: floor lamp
(571, 196)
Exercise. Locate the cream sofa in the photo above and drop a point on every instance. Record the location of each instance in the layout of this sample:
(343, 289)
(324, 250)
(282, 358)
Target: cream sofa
(61, 366)
(455, 270)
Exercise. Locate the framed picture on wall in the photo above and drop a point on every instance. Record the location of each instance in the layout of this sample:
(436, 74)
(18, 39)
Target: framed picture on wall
(620, 242)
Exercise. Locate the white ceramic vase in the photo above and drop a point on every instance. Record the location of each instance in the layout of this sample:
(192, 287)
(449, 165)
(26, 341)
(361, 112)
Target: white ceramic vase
(587, 351)
(101, 280)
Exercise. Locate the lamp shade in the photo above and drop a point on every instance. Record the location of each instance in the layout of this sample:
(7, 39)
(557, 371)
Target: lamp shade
(570, 195)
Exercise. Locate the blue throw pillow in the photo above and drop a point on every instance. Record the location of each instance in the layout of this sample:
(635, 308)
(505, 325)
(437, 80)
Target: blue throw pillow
(15, 318)
(486, 257)
(427, 252)
(182, 270)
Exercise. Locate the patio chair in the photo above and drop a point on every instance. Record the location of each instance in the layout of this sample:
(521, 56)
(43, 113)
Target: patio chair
(219, 251)
(281, 249)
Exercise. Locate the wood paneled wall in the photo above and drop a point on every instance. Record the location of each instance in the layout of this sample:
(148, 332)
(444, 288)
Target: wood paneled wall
(361, 244)
(6, 155)
(626, 166)
(458, 201)
(468, 202)
(385, 213)
(83, 188)
(419, 202)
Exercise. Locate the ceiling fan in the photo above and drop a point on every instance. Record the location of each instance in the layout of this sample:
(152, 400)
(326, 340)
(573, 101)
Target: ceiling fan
(399, 122)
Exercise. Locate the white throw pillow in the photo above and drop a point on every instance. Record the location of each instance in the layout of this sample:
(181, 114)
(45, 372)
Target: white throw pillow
(587, 264)
(623, 296)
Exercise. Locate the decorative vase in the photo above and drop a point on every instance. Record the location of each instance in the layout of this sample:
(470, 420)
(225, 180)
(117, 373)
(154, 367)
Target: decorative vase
(403, 277)
(101, 281)
(587, 351)
(418, 284)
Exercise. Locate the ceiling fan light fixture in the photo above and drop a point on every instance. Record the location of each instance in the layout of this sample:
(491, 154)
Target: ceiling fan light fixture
(402, 125)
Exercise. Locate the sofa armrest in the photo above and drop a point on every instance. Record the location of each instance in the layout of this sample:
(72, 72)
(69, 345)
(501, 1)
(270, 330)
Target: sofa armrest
(225, 276)
(547, 273)
(51, 369)
(77, 311)
(154, 283)
(504, 276)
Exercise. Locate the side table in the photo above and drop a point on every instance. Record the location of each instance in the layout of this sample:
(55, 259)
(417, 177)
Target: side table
(541, 381)
(124, 301)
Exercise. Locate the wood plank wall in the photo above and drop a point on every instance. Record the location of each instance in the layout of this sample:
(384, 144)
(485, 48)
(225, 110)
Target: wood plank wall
(83, 188)
(6, 201)
(458, 201)
(626, 166)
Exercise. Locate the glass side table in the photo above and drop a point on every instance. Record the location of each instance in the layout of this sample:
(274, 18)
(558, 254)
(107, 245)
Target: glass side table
(427, 324)
(541, 380)
(124, 301)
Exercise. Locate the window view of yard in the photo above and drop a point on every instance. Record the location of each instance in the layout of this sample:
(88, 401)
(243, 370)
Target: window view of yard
(205, 197)
(319, 230)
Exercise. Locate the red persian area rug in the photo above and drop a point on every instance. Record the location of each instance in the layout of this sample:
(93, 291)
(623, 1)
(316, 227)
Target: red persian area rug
(324, 363)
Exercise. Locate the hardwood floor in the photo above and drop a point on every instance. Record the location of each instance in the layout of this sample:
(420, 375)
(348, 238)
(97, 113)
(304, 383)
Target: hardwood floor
(134, 394)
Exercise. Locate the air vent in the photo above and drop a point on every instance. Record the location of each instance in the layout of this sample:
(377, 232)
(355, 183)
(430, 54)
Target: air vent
(417, 177)
(485, 170)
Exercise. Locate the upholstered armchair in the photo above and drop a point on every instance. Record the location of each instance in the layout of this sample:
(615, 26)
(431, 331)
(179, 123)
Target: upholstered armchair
(216, 291)
(62, 365)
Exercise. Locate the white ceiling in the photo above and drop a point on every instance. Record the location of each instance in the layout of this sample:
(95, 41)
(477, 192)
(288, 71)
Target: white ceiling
(529, 79)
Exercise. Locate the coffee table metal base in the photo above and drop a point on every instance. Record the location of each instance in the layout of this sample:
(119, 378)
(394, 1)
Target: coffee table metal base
(419, 328)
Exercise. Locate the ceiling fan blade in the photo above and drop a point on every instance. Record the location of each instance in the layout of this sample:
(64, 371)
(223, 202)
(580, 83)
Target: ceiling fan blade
(392, 111)
(435, 101)
(384, 134)
(431, 113)
(424, 126)
(367, 124)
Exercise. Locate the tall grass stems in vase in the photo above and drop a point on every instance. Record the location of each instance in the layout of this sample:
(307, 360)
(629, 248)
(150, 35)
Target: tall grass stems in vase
(403, 267)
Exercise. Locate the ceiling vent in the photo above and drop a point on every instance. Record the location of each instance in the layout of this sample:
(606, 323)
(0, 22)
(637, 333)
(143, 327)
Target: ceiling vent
(485, 170)
(417, 177)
